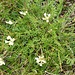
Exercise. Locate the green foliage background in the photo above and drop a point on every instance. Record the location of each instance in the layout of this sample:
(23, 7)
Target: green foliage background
(56, 39)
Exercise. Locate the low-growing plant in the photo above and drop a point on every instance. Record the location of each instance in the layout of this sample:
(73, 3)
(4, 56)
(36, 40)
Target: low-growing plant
(37, 37)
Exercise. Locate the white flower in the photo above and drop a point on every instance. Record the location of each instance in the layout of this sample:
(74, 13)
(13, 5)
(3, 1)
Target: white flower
(9, 22)
(46, 17)
(2, 62)
(40, 60)
(23, 13)
(10, 40)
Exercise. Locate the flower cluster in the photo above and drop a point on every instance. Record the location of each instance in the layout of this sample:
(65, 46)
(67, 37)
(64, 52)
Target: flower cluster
(40, 60)
(21, 12)
(2, 62)
(46, 17)
(10, 40)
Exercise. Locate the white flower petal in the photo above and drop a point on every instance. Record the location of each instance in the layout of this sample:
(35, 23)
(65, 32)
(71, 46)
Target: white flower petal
(44, 18)
(9, 38)
(6, 41)
(2, 62)
(11, 43)
(40, 64)
(12, 40)
(47, 21)
(49, 15)
(23, 13)
(45, 14)
(9, 22)
(36, 58)
(26, 11)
